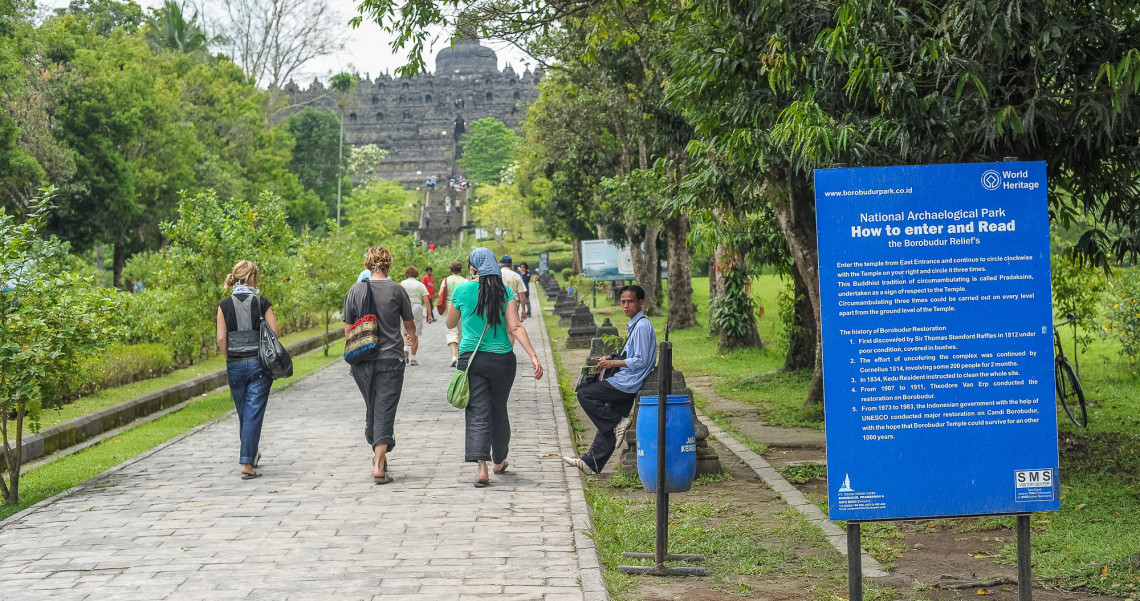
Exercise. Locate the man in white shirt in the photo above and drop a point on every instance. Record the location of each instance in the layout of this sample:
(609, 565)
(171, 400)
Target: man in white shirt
(514, 281)
(418, 294)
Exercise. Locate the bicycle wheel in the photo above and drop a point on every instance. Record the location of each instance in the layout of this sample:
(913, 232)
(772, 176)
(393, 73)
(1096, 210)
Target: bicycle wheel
(1071, 395)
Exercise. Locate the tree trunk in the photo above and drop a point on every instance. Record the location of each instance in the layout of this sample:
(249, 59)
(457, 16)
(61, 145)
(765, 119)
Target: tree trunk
(802, 340)
(645, 266)
(796, 215)
(750, 337)
(576, 268)
(682, 309)
(716, 287)
(100, 266)
(120, 259)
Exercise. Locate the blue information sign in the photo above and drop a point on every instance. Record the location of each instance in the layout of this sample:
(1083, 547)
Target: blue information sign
(937, 340)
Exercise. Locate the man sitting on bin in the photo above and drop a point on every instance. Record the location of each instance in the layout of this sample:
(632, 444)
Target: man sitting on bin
(609, 401)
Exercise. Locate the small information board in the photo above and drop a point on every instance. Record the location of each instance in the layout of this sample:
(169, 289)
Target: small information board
(937, 340)
(604, 260)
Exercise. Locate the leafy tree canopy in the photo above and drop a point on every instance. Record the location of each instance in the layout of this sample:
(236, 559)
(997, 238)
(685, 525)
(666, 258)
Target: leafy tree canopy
(489, 146)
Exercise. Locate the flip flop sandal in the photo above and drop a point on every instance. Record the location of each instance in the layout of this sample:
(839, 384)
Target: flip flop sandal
(251, 476)
(502, 470)
(386, 478)
(482, 483)
(257, 459)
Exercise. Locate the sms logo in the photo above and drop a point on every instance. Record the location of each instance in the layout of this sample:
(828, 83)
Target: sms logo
(1033, 478)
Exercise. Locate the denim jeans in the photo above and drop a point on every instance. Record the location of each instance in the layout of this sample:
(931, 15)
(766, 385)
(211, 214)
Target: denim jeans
(380, 382)
(488, 427)
(249, 388)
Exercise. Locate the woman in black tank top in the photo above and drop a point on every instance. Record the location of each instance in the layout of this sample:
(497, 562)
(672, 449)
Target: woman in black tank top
(240, 318)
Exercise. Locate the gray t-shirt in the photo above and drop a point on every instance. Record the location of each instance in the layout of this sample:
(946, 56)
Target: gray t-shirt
(392, 308)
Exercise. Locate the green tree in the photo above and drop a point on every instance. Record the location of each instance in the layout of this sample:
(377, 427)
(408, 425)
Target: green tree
(328, 265)
(344, 84)
(891, 83)
(501, 211)
(51, 318)
(363, 160)
(209, 237)
(169, 30)
(21, 174)
(106, 16)
(489, 146)
(314, 160)
(374, 210)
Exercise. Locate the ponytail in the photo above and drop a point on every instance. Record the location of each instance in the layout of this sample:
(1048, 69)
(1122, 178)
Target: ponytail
(242, 272)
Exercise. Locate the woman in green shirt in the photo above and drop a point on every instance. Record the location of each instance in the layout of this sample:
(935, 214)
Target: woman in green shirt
(490, 317)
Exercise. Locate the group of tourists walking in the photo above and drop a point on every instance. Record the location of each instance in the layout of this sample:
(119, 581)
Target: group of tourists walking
(383, 321)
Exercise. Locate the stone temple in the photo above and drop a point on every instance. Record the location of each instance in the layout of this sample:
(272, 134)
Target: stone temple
(419, 121)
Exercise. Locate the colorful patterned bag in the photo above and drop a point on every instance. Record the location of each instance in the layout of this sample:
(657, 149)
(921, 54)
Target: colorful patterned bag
(362, 340)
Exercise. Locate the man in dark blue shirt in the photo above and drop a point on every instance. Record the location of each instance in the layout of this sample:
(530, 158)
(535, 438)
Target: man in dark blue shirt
(609, 401)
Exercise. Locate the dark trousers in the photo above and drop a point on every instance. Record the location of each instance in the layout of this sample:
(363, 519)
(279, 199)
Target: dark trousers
(489, 379)
(380, 382)
(606, 406)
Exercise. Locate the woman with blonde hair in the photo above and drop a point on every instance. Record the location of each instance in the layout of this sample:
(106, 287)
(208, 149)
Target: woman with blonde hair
(380, 375)
(489, 312)
(240, 318)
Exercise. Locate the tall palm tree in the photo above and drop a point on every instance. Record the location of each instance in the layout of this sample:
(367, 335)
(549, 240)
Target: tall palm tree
(169, 30)
(345, 84)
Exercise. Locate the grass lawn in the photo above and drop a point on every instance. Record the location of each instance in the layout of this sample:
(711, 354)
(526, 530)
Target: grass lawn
(53, 478)
(1092, 543)
(110, 397)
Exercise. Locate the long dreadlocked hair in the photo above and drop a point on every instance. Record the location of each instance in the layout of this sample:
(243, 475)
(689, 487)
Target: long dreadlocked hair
(492, 302)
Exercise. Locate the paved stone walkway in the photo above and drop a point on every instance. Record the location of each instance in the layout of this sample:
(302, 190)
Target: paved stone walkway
(178, 523)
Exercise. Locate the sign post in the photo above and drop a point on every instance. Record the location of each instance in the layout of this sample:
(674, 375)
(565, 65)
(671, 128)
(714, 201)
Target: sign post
(937, 342)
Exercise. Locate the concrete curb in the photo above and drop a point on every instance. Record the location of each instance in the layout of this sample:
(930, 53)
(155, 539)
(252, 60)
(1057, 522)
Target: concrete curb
(835, 535)
(589, 565)
(91, 426)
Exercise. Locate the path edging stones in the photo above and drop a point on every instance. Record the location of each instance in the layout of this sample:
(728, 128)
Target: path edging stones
(589, 565)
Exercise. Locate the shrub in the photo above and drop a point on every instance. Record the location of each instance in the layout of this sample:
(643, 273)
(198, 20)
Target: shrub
(1079, 287)
(1125, 313)
(122, 364)
(566, 273)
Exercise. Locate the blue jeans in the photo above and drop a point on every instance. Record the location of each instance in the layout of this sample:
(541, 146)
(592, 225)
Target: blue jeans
(249, 388)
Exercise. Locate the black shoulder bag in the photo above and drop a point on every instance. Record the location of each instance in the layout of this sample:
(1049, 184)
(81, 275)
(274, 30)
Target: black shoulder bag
(271, 354)
(590, 375)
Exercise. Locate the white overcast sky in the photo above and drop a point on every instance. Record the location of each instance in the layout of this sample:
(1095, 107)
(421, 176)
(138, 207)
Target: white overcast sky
(366, 49)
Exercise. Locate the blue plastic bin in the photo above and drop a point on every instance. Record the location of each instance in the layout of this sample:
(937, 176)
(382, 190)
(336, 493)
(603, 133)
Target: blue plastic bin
(680, 444)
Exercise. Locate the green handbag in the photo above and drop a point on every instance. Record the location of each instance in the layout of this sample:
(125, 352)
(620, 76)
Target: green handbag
(458, 393)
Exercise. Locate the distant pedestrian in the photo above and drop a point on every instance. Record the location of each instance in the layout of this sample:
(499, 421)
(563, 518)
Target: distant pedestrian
(608, 402)
(524, 271)
(451, 283)
(429, 283)
(489, 312)
(240, 318)
(514, 281)
(381, 377)
(418, 295)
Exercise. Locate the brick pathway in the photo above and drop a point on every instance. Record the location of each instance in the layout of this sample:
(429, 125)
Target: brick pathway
(179, 523)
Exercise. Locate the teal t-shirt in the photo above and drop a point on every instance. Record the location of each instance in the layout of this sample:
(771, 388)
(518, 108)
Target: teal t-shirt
(495, 340)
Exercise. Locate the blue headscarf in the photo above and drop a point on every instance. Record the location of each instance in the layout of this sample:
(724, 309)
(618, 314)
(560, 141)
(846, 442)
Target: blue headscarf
(485, 262)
